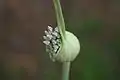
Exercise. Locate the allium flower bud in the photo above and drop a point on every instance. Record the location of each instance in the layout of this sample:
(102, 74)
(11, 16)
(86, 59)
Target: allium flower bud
(58, 49)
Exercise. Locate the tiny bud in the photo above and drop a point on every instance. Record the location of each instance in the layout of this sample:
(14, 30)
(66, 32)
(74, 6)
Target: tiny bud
(46, 42)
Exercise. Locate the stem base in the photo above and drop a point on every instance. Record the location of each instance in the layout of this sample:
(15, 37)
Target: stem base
(65, 70)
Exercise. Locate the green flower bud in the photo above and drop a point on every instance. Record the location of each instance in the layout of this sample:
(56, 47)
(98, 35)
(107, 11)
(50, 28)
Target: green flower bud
(62, 50)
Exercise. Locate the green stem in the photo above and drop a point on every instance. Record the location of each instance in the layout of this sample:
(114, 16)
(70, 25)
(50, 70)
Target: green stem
(66, 70)
(60, 18)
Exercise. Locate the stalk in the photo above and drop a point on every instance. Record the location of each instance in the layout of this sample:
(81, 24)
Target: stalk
(61, 26)
(65, 71)
(60, 18)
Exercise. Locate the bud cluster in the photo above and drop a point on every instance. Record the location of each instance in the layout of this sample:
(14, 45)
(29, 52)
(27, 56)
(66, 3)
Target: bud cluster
(52, 40)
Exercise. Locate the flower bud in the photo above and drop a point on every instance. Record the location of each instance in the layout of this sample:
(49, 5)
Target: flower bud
(59, 49)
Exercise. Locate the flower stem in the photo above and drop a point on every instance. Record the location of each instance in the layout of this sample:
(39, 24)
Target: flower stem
(60, 18)
(66, 70)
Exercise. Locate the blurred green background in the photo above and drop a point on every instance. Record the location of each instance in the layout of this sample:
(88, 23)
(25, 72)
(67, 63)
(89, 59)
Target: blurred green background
(95, 22)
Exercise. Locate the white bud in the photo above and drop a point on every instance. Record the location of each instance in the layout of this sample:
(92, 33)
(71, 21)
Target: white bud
(46, 42)
(70, 48)
(50, 28)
